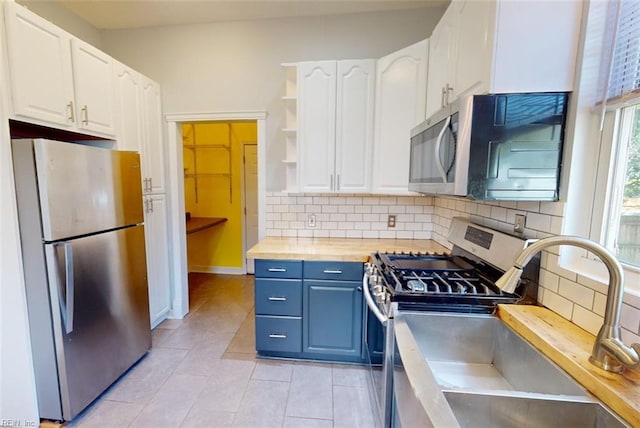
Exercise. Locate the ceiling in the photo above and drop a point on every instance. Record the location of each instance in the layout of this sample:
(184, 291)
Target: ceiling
(120, 14)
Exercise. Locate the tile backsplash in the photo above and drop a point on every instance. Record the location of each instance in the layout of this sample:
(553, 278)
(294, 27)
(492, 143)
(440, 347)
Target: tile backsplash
(349, 216)
(573, 296)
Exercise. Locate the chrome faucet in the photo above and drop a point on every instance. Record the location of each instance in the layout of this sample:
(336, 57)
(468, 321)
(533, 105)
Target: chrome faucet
(609, 352)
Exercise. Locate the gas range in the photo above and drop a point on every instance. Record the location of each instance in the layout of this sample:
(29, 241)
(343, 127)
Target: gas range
(460, 281)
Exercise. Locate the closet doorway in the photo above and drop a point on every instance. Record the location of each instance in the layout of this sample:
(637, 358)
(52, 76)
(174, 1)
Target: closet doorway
(220, 194)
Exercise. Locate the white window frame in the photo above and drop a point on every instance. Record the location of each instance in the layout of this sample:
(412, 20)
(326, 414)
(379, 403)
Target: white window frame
(591, 156)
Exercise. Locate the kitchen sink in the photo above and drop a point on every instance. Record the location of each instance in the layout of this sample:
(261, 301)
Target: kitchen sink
(488, 376)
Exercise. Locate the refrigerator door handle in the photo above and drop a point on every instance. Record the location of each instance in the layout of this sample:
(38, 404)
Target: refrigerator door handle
(66, 301)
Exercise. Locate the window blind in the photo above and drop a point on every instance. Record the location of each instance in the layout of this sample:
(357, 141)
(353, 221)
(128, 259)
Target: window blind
(624, 77)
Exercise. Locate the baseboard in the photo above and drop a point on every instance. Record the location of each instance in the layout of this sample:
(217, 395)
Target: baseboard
(218, 269)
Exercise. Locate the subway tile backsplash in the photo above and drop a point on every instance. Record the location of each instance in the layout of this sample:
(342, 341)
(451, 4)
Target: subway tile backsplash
(349, 216)
(575, 297)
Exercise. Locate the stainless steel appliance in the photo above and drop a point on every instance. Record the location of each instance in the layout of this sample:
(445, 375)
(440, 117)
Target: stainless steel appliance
(82, 234)
(491, 147)
(462, 281)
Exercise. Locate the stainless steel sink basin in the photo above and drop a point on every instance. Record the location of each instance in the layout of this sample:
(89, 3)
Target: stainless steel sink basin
(482, 410)
(489, 376)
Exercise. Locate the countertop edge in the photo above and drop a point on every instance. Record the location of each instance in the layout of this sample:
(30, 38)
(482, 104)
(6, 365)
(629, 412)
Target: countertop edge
(569, 347)
(336, 249)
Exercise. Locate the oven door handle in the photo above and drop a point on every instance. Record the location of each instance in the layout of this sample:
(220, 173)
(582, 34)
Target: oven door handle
(370, 303)
(436, 150)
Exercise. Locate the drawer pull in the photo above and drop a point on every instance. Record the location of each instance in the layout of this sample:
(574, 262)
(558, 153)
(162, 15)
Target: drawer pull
(277, 270)
(336, 271)
(277, 336)
(277, 299)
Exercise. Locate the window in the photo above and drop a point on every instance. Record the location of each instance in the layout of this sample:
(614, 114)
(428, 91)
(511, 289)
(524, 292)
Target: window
(623, 234)
(603, 200)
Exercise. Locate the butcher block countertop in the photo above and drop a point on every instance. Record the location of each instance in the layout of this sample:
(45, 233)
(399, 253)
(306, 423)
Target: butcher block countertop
(570, 347)
(336, 249)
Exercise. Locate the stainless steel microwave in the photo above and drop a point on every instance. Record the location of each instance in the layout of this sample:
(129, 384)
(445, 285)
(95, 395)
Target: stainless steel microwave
(492, 147)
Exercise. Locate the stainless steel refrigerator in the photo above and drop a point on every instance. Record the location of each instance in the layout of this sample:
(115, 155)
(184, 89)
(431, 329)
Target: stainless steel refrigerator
(82, 234)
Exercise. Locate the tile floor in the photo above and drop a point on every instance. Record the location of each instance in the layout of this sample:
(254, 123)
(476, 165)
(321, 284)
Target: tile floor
(202, 372)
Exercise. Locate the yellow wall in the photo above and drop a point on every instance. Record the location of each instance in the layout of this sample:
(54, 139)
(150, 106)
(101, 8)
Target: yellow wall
(220, 246)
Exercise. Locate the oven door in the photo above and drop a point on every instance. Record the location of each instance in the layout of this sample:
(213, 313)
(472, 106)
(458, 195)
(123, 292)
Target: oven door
(378, 355)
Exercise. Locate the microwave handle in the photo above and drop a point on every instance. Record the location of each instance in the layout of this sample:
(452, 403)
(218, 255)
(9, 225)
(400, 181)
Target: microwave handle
(436, 153)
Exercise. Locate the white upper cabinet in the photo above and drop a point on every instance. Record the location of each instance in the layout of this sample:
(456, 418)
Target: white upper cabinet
(56, 79)
(335, 125)
(153, 163)
(498, 47)
(139, 121)
(442, 62)
(316, 125)
(526, 59)
(93, 84)
(354, 125)
(39, 58)
(473, 43)
(401, 80)
(128, 84)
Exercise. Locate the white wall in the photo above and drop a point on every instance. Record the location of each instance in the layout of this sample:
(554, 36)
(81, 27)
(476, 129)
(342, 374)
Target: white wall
(18, 403)
(63, 18)
(235, 66)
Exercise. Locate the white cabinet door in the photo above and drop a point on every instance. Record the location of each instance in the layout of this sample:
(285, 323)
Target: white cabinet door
(442, 55)
(93, 84)
(128, 84)
(39, 58)
(157, 245)
(474, 45)
(354, 125)
(153, 153)
(316, 125)
(544, 62)
(401, 80)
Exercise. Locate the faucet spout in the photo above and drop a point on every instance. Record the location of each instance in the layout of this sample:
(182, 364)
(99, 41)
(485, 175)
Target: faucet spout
(609, 352)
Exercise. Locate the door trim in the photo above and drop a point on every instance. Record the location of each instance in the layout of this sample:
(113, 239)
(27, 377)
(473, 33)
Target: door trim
(177, 232)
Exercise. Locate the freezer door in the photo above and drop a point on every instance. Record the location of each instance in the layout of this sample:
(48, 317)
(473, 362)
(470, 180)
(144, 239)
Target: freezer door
(100, 307)
(85, 189)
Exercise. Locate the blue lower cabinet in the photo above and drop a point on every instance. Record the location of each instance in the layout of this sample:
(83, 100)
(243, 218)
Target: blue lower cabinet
(309, 310)
(278, 334)
(332, 319)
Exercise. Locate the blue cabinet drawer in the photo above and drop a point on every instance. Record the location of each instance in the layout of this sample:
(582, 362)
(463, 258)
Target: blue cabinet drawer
(278, 297)
(278, 334)
(339, 271)
(278, 269)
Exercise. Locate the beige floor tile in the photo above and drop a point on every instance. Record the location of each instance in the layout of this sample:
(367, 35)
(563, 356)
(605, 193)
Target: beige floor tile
(172, 403)
(350, 375)
(291, 422)
(311, 392)
(273, 370)
(263, 404)
(105, 414)
(352, 408)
